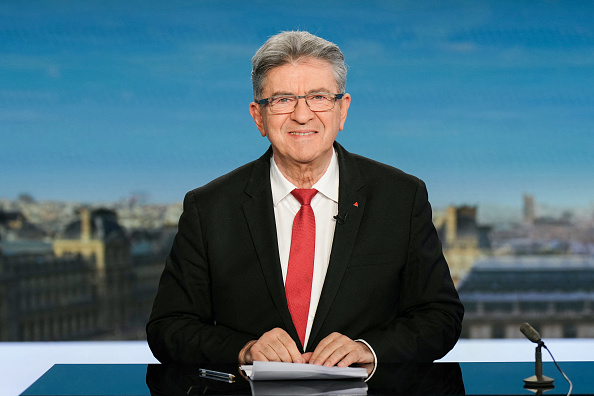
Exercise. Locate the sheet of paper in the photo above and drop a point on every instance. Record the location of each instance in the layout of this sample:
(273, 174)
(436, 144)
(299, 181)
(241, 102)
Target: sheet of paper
(264, 371)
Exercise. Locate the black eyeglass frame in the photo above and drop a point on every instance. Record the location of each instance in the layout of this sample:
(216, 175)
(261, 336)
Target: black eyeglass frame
(266, 101)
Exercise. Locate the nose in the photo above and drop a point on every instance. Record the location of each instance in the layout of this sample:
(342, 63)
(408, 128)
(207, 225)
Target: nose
(302, 112)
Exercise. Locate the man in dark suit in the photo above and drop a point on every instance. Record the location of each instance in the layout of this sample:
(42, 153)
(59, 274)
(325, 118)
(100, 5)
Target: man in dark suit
(378, 287)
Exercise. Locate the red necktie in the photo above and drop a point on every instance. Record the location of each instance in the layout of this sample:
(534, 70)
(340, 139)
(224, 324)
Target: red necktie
(301, 261)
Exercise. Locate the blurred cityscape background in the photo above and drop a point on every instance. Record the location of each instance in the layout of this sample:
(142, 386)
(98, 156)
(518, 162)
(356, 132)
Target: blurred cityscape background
(70, 271)
(110, 112)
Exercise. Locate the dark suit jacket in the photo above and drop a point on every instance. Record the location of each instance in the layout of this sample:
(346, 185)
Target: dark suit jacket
(387, 281)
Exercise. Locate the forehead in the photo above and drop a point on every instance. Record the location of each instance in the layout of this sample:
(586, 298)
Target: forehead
(301, 76)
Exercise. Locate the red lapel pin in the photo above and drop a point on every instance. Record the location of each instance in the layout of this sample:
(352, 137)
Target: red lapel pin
(356, 204)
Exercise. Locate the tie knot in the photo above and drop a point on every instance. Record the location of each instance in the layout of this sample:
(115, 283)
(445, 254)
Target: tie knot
(304, 195)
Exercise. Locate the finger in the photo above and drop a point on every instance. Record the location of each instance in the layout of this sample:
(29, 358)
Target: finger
(325, 348)
(286, 348)
(262, 351)
(305, 357)
(338, 352)
(351, 357)
(276, 345)
(358, 353)
(321, 353)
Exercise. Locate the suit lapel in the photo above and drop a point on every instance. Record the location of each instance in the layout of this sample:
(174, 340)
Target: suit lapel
(351, 204)
(259, 214)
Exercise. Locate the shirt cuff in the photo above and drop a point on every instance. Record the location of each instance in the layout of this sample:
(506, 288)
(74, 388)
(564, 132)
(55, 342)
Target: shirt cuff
(374, 359)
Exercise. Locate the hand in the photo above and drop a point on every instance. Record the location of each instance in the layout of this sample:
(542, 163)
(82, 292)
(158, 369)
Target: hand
(340, 350)
(275, 345)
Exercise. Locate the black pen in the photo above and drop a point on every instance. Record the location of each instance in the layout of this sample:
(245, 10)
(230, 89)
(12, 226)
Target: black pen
(216, 375)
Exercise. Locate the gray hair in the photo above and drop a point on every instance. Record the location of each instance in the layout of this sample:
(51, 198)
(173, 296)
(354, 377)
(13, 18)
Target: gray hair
(287, 47)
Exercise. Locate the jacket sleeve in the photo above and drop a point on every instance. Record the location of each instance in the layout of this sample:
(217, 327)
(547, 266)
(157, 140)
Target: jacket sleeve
(429, 318)
(182, 327)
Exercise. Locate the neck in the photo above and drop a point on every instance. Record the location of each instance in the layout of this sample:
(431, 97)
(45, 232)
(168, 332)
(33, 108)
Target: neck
(303, 175)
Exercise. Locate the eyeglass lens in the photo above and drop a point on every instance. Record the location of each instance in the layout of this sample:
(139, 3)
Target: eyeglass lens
(316, 102)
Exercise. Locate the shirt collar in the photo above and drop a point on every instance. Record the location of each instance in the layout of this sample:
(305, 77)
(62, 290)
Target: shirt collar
(327, 185)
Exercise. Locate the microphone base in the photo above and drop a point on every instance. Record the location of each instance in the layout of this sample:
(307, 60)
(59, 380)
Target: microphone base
(542, 381)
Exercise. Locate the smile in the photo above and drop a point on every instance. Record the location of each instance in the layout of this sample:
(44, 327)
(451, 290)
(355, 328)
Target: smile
(302, 133)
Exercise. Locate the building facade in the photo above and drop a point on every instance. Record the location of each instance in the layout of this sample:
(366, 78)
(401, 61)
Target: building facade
(99, 238)
(463, 240)
(555, 294)
(46, 298)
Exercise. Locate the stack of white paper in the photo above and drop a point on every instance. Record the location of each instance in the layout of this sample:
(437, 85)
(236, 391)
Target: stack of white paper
(265, 371)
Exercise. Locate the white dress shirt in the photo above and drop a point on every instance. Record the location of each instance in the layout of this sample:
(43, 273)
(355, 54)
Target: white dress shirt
(325, 207)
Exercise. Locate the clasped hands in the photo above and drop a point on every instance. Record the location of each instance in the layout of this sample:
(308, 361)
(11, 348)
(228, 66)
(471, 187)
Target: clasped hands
(277, 345)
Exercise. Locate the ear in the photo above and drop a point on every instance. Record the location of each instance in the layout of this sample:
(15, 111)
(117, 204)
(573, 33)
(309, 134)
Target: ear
(256, 112)
(345, 102)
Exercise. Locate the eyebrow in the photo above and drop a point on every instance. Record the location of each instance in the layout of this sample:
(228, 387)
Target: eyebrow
(287, 93)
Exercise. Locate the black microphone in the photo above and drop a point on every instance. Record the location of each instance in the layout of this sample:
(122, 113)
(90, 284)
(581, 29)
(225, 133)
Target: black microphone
(341, 218)
(531, 333)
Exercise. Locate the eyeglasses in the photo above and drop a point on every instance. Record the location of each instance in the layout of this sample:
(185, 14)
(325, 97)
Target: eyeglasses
(284, 104)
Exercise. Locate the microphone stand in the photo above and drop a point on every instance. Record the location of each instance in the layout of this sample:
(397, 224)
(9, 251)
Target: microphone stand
(538, 380)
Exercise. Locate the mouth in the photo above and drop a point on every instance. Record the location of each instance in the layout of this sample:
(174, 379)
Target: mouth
(303, 133)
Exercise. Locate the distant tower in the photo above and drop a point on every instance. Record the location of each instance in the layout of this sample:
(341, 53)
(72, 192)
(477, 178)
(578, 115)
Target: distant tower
(529, 209)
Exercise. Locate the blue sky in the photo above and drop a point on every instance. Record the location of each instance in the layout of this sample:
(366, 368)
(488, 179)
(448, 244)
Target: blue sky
(484, 100)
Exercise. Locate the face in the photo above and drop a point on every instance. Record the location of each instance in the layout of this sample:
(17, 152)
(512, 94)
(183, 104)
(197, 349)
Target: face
(303, 137)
